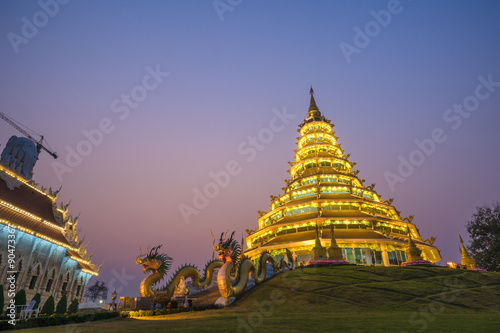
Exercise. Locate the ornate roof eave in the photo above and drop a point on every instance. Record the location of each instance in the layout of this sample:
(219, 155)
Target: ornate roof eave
(59, 211)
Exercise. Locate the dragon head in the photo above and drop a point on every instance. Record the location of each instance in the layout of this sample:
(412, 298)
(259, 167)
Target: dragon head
(154, 262)
(228, 248)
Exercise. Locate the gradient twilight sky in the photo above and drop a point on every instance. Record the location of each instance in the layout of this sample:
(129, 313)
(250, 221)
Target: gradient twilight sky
(225, 79)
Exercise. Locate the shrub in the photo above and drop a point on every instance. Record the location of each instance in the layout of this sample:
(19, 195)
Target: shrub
(48, 307)
(57, 320)
(38, 299)
(1, 299)
(160, 312)
(62, 305)
(73, 307)
(20, 299)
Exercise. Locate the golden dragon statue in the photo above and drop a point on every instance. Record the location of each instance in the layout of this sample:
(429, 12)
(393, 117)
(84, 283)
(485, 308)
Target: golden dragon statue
(239, 267)
(159, 263)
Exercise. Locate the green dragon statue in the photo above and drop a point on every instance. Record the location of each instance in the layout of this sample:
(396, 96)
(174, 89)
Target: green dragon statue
(240, 267)
(158, 264)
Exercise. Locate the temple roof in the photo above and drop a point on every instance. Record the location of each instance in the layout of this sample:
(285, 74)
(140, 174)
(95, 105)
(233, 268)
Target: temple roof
(29, 200)
(23, 221)
(32, 212)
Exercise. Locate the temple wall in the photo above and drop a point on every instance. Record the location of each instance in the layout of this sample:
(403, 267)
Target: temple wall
(43, 267)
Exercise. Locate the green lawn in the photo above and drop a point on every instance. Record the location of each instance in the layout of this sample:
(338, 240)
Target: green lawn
(343, 299)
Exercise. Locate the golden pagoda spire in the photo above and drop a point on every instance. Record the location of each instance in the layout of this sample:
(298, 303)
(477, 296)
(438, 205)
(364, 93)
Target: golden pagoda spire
(467, 260)
(412, 251)
(313, 109)
(334, 251)
(319, 252)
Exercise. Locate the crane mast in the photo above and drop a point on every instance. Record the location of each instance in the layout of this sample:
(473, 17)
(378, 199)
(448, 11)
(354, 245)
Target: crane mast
(39, 143)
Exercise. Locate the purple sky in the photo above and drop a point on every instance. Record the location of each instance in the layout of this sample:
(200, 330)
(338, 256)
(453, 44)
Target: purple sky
(225, 79)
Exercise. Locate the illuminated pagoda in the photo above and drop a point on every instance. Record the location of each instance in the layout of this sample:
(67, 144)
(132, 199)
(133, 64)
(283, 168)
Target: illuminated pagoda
(325, 191)
(50, 258)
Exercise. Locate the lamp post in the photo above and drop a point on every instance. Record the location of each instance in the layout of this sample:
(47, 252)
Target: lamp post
(186, 293)
(113, 298)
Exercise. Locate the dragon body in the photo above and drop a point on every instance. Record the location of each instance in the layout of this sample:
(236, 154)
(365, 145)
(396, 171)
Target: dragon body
(158, 264)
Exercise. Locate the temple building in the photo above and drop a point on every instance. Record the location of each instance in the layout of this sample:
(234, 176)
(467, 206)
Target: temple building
(50, 258)
(324, 191)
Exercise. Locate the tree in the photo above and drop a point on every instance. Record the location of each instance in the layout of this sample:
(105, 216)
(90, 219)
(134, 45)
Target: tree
(48, 307)
(38, 299)
(73, 307)
(62, 305)
(20, 299)
(484, 231)
(97, 290)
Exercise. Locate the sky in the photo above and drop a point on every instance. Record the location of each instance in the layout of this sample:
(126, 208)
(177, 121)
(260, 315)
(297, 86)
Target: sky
(147, 101)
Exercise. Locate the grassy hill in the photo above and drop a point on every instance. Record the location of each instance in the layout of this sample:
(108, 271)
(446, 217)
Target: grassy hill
(343, 299)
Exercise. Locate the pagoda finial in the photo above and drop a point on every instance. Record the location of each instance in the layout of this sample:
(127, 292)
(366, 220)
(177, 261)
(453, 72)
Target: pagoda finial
(313, 109)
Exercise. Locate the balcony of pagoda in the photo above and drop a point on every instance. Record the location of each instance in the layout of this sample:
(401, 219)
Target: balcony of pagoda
(294, 218)
(316, 139)
(301, 171)
(316, 127)
(318, 151)
(322, 195)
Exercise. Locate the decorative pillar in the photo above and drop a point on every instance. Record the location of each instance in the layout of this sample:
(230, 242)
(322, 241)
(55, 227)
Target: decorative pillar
(385, 255)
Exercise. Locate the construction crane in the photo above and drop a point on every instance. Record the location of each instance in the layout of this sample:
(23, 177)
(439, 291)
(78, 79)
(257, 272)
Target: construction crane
(39, 144)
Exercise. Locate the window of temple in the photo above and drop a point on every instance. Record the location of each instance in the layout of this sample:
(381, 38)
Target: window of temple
(300, 210)
(309, 181)
(78, 290)
(34, 278)
(400, 256)
(329, 179)
(65, 284)
(378, 258)
(348, 253)
(395, 257)
(18, 269)
(49, 283)
(344, 180)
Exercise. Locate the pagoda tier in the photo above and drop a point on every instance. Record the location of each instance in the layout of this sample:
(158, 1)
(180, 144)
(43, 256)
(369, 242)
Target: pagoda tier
(324, 190)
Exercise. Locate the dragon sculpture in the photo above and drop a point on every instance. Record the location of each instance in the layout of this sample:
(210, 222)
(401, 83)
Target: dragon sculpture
(157, 264)
(238, 266)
